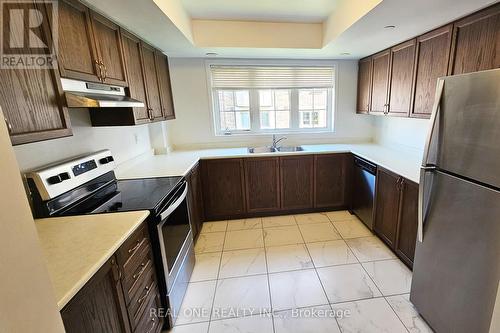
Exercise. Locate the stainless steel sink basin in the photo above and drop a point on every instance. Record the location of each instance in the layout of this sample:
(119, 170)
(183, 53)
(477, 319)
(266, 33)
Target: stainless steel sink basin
(283, 149)
(290, 149)
(260, 150)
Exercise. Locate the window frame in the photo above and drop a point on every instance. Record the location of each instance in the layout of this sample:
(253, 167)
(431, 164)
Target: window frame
(254, 107)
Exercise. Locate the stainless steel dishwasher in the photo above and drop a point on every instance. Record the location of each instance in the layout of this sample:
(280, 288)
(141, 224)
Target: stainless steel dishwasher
(363, 192)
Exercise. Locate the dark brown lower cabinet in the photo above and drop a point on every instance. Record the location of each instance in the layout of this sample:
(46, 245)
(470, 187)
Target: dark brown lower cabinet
(396, 213)
(296, 182)
(408, 222)
(122, 296)
(223, 188)
(99, 306)
(195, 200)
(262, 184)
(331, 176)
(387, 195)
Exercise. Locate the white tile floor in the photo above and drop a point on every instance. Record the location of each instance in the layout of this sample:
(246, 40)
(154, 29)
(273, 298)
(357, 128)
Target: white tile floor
(314, 273)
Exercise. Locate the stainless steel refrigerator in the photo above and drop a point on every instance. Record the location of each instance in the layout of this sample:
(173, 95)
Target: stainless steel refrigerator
(457, 261)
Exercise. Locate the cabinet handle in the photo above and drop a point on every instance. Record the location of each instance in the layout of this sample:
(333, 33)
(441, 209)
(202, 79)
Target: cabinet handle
(135, 247)
(148, 290)
(98, 70)
(150, 112)
(135, 276)
(103, 70)
(9, 125)
(152, 326)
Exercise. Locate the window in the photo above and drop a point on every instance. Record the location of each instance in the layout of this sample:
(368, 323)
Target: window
(263, 99)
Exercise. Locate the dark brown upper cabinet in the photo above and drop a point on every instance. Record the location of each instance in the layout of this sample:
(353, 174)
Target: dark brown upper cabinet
(109, 47)
(77, 54)
(90, 46)
(476, 41)
(153, 88)
(387, 194)
(163, 73)
(32, 100)
(401, 79)
(223, 188)
(432, 57)
(135, 73)
(296, 182)
(331, 176)
(408, 222)
(364, 85)
(380, 82)
(262, 184)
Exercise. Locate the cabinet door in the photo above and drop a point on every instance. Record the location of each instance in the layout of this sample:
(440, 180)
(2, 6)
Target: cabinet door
(296, 182)
(330, 179)
(135, 74)
(163, 73)
(77, 55)
(153, 92)
(401, 81)
(99, 306)
(476, 42)
(408, 219)
(223, 188)
(380, 82)
(262, 184)
(364, 85)
(387, 195)
(432, 57)
(195, 201)
(109, 49)
(32, 100)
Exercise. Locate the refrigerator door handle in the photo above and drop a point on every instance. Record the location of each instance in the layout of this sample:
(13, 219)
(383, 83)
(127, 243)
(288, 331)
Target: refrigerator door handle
(434, 117)
(422, 207)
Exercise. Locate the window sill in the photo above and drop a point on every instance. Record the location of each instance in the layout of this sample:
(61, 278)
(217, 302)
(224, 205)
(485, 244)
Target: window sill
(326, 131)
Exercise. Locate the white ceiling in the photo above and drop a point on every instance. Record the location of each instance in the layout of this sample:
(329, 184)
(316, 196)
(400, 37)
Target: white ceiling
(364, 37)
(261, 10)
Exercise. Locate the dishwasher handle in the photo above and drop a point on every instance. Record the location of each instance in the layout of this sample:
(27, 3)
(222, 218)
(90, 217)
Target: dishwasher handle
(365, 165)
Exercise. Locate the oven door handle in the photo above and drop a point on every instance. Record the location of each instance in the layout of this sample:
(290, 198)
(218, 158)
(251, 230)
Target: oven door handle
(175, 204)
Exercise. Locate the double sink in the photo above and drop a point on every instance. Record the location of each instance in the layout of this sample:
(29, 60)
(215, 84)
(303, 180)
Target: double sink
(268, 149)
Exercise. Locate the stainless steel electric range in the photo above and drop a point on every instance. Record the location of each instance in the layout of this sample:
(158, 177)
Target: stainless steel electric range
(87, 185)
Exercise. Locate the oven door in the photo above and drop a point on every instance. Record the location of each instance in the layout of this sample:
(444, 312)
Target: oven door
(174, 234)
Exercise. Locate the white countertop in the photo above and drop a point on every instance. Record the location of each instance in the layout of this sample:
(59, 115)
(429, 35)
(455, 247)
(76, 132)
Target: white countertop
(75, 247)
(178, 163)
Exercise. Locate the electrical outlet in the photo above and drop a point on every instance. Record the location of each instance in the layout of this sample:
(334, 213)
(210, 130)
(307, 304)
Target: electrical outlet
(136, 138)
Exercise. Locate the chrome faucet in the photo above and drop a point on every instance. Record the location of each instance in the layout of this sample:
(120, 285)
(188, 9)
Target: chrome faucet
(276, 141)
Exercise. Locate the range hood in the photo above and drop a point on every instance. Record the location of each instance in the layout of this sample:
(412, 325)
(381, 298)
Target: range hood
(81, 94)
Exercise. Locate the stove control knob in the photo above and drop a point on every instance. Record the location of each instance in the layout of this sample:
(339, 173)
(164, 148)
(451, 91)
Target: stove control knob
(106, 160)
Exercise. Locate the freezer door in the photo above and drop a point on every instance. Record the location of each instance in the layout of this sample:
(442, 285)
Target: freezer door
(465, 131)
(457, 266)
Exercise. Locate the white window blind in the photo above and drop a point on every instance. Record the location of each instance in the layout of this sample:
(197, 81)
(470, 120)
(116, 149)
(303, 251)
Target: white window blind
(270, 77)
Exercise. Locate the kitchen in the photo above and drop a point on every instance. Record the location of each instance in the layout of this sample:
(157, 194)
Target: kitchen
(223, 166)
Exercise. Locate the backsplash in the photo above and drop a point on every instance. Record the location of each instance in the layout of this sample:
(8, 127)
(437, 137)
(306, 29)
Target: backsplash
(124, 142)
(404, 133)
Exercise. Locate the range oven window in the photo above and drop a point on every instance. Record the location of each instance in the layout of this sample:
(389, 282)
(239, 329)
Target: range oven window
(174, 232)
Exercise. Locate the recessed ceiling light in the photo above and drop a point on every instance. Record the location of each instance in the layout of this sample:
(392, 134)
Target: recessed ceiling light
(345, 53)
(211, 54)
(389, 27)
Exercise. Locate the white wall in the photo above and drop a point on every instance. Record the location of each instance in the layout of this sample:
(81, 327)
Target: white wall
(404, 133)
(193, 128)
(124, 142)
(27, 301)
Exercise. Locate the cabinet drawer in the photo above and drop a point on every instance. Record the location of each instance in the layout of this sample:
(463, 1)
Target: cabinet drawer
(149, 321)
(137, 270)
(141, 300)
(134, 244)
